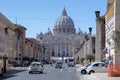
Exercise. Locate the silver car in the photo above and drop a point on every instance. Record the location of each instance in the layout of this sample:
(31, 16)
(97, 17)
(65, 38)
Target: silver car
(96, 67)
(83, 68)
(35, 67)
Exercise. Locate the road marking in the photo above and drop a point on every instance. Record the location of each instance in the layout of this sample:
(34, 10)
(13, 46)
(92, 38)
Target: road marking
(61, 70)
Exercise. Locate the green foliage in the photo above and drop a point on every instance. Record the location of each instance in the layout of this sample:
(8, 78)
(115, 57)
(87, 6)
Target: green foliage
(90, 57)
(116, 38)
(82, 59)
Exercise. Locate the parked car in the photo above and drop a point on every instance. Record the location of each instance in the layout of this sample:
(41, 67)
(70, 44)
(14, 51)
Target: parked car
(58, 64)
(96, 67)
(83, 68)
(36, 67)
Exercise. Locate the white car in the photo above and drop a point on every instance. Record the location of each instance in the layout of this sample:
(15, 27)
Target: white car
(96, 67)
(82, 69)
(35, 67)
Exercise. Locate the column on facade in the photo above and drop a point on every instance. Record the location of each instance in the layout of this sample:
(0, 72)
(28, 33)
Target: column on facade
(90, 41)
(26, 49)
(31, 55)
(98, 37)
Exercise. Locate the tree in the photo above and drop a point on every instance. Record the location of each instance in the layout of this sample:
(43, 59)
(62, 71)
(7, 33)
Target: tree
(82, 59)
(90, 57)
(116, 39)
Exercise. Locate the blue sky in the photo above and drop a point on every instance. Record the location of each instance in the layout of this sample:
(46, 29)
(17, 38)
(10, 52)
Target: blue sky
(39, 15)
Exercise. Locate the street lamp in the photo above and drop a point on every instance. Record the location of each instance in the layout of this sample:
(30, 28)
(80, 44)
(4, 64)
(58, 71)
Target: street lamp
(4, 62)
(44, 52)
(90, 29)
(97, 13)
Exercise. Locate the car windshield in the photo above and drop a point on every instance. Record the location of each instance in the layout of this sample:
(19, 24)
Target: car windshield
(88, 64)
(35, 64)
(71, 60)
(59, 63)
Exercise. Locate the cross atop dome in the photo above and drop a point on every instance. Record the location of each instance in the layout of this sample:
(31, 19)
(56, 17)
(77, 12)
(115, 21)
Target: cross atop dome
(64, 13)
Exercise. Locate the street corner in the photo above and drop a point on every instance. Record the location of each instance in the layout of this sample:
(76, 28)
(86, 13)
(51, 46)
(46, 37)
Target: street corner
(78, 65)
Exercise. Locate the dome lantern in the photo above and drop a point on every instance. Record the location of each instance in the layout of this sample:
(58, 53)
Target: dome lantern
(64, 13)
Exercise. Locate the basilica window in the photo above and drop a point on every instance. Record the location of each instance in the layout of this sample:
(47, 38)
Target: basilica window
(58, 49)
(67, 55)
(53, 54)
(63, 54)
(66, 49)
(58, 54)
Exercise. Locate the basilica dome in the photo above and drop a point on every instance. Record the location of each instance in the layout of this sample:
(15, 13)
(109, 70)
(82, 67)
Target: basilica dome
(64, 21)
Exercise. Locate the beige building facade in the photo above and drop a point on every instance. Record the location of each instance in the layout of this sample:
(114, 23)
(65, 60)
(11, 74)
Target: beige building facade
(13, 42)
(112, 23)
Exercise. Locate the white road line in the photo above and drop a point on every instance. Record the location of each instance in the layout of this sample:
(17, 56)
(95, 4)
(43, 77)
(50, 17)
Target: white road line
(61, 70)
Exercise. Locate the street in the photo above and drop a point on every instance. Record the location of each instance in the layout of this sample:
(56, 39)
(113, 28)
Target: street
(50, 73)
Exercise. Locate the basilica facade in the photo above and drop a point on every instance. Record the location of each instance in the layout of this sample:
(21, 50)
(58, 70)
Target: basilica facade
(63, 41)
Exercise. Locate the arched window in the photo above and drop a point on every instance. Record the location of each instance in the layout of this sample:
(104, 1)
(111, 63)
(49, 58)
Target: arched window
(53, 54)
(66, 54)
(58, 54)
(63, 54)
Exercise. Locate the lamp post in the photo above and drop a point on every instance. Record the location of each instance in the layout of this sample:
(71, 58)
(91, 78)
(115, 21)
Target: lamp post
(97, 13)
(44, 52)
(4, 62)
(90, 40)
(5, 50)
(90, 30)
(86, 39)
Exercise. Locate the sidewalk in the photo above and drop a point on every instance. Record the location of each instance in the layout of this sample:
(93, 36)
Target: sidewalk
(104, 76)
(97, 76)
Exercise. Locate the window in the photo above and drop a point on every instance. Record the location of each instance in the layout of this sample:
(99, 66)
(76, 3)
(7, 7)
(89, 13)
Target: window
(95, 65)
(99, 65)
(58, 49)
(53, 54)
(63, 53)
(67, 55)
(58, 54)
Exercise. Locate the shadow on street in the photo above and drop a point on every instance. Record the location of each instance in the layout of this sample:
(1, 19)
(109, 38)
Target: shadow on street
(10, 73)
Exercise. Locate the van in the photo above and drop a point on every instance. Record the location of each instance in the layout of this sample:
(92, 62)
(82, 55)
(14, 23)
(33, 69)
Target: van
(71, 62)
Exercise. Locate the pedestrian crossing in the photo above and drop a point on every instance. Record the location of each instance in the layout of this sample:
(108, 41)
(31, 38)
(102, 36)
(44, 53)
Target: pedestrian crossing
(48, 68)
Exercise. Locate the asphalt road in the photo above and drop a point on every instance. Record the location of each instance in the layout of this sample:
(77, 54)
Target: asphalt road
(50, 73)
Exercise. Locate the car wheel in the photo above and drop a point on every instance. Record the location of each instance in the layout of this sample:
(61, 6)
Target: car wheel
(91, 72)
(30, 72)
(83, 71)
(41, 71)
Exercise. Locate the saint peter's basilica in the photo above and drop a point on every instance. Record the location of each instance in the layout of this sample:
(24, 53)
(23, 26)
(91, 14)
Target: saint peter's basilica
(63, 41)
